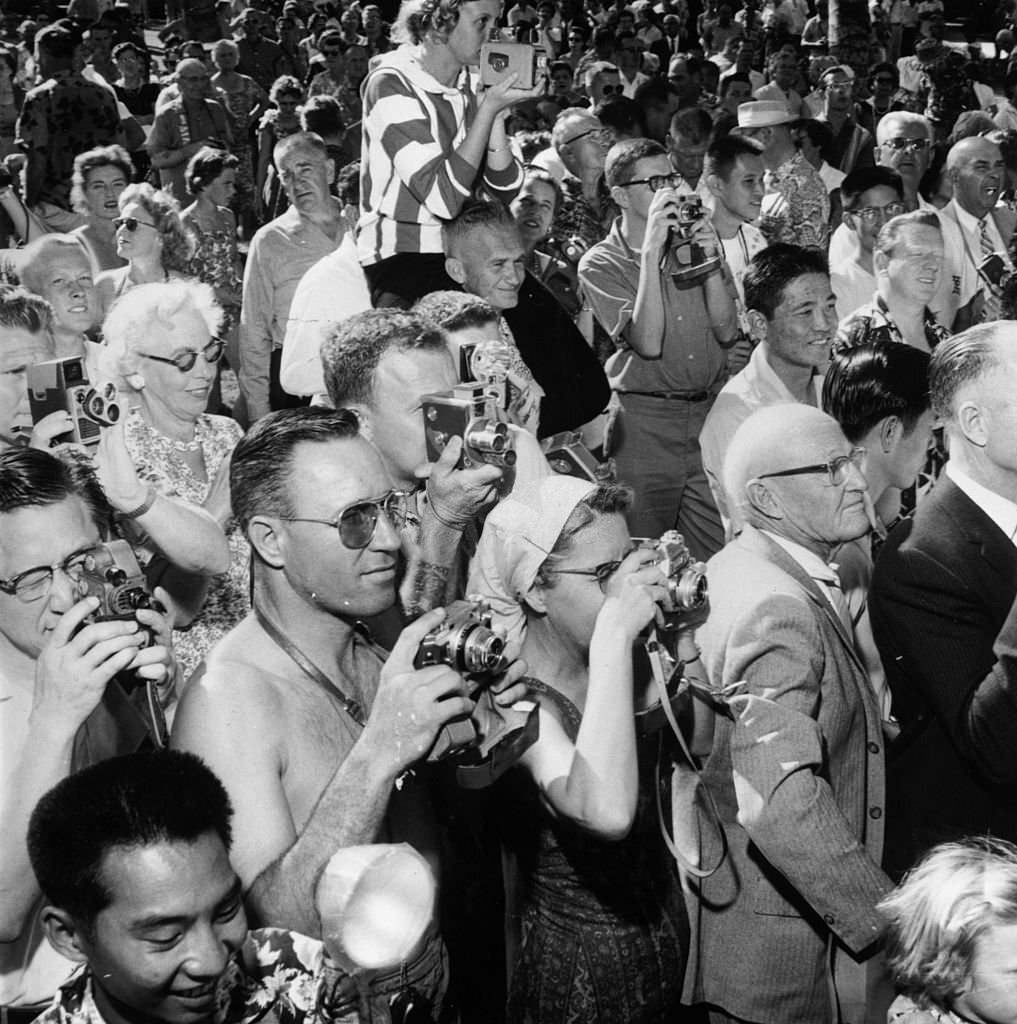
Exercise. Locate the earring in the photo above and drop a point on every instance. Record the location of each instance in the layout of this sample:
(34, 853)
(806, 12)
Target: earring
(136, 381)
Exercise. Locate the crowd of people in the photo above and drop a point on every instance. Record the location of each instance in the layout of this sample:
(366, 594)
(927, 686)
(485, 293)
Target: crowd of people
(575, 441)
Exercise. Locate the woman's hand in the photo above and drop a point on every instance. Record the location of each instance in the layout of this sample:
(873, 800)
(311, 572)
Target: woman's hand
(115, 470)
(49, 428)
(634, 594)
(503, 94)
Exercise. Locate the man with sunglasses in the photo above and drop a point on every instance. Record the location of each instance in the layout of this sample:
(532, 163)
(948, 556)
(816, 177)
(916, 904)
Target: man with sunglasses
(796, 767)
(670, 338)
(61, 707)
(316, 732)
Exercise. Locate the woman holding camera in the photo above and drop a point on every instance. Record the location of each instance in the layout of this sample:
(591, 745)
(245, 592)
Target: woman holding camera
(605, 934)
(153, 240)
(412, 177)
(163, 350)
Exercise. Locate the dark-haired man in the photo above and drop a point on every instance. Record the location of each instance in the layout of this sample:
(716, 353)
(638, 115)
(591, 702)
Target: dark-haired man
(792, 318)
(670, 338)
(944, 616)
(146, 901)
(310, 725)
(60, 708)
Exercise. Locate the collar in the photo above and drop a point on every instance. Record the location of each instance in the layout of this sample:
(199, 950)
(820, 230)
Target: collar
(1000, 510)
(968, 221)
(766, 372)
(824, 572)
(406, 61)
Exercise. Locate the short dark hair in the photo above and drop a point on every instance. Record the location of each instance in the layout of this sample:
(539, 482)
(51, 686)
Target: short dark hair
(476, 215)
(693, 123)
(866, 384)
(262, 460)
(724, 152)
(623, 157)
(206, 165)
(621, 114)
(728, 80)
(135, 800)
(59, 40)
(352, 349)
(323, 116)
(655, 92)
(330, 37)
(885, 67)
(774, 268)
(92, 159)
(347, 184)
(456, 311)
(961, 359)
(861, 180)
(30, 478)
(819, 132)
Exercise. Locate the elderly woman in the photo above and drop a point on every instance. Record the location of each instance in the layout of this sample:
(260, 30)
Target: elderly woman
(951, 936)
(907, 259)
(100, 177)
(604, 929)
(162, 347)
(153, 240)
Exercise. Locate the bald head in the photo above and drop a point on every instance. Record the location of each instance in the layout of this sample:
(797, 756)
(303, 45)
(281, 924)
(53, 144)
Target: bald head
(809, 506)
(976, 170)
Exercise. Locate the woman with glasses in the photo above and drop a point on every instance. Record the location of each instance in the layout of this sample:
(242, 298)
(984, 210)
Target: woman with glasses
(162, 348)
(153, 240)
(605, 934)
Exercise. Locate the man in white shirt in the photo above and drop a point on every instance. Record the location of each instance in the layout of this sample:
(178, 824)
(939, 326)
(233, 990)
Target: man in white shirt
(792, 318)
(783, 68)
(628, 56)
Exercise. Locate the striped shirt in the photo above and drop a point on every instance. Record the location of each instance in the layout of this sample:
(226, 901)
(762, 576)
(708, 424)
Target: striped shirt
(411, 177)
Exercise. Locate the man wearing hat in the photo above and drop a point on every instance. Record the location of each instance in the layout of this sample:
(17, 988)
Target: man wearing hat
(853, 145)
(796, 207)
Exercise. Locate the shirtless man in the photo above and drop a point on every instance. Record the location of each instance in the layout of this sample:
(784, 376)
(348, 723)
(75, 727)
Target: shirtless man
(305, 776)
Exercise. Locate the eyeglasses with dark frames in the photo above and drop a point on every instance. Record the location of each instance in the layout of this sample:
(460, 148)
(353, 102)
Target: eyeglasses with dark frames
(902, 145)
(185, 361)
(870, 214)
(131, 223)
(837, 469)
(655, 181)
(357, 523)
(34, 584)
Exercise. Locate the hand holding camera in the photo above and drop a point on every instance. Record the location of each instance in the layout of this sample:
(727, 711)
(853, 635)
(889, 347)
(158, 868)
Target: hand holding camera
(661, 218)
(458, 495)
(635, 594)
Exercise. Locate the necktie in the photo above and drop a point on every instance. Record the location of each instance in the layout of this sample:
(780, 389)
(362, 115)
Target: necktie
(832, 588)
(992, 303)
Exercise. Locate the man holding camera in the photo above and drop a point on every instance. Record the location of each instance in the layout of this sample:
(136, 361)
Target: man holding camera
(61, 706)
(316, 732)
(671, 335)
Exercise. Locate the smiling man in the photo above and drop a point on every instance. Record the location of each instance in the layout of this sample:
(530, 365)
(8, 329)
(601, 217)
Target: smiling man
(797, 767)
(977, 172)
(147, 902)
(791, 312)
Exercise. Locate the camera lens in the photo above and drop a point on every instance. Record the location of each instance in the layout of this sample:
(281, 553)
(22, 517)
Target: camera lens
(480, 650)
(690, 590)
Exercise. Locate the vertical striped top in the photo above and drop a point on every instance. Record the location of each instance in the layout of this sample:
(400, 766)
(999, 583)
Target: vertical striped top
(411, 178)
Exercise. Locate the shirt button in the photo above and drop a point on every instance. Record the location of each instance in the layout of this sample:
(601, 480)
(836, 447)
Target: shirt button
(873, 748)
(829, 918)
(875, 812)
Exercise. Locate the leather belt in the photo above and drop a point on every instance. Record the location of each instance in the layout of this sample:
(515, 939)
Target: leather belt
(675, 396)
(21, 1014)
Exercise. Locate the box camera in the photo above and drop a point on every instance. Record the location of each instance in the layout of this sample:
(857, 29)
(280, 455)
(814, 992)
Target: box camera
(686, 578)
(472, 412)
(62, 384)
(499, 60)
(684, 259)
(994, 271)
(490, 740)
(567, 455)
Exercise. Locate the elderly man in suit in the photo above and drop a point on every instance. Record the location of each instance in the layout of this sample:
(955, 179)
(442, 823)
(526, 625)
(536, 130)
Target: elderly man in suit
(944, 615)
(796, 768)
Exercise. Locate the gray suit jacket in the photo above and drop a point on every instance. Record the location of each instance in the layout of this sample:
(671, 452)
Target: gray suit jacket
(797, 774)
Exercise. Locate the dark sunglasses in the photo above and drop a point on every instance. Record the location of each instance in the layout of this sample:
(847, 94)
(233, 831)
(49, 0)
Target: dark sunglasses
(131, 223)
(357, 523)
(185, 361)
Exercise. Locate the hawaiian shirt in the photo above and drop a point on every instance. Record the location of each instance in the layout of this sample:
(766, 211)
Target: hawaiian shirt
(576, 218)
(797, 206)
(63, 117)
(947, 89)
(277, 977)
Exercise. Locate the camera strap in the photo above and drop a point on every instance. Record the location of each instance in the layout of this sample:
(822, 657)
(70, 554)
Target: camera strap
(350, 706)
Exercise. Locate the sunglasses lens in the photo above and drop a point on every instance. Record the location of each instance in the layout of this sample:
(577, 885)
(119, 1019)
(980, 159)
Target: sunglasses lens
(357, 523)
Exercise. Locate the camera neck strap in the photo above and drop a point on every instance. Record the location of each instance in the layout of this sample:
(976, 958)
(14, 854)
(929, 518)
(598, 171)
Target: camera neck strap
(348, 704)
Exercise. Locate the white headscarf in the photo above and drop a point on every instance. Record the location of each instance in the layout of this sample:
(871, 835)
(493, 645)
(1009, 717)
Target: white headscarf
(518, 535)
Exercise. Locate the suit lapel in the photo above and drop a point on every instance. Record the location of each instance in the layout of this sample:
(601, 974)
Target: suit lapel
(776, 554)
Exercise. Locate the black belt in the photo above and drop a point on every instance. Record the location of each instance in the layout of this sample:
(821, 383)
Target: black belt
(21, 1014)
(675, 396)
